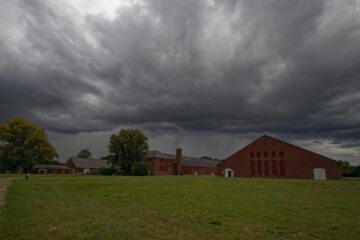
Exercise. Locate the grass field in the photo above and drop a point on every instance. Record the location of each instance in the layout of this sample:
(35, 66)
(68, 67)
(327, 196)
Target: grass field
(95, 207)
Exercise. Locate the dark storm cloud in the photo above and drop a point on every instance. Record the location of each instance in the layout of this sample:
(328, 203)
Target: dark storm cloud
(231, 67)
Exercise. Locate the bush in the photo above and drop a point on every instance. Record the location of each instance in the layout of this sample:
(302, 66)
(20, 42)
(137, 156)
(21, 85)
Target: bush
(349, 170)
(107, 171)
(119, 171)
(140, 169)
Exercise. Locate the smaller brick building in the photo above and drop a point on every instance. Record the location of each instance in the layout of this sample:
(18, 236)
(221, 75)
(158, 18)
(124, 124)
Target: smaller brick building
(43, 168)
(86, 165)
(272, 158)
(171, 164)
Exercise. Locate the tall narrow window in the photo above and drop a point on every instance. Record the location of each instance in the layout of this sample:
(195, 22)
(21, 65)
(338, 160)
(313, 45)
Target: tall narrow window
(281, 154)
(266, 167)
(274, 170)
(259, 167)
(282, 167)
(252, 167)
(258, 154)
(252, 155)
(266, 154)
(273, 154)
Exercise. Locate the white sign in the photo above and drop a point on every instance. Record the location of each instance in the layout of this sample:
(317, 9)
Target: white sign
(319, 174)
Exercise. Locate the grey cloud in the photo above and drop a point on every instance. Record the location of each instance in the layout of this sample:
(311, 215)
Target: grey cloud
(289, 68)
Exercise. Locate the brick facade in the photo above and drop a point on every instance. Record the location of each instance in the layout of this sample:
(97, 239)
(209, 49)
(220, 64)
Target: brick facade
(167, 164)
(59, 168)
(161, 166)
(268, 157)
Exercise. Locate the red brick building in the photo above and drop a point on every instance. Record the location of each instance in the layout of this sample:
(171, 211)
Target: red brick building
(268, 157)
(43, 168)
(86, 165)
(170, 164)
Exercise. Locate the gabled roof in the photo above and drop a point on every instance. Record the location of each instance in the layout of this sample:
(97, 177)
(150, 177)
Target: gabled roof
(89, 162)
(157, 154)
(46, 166)
(199, 162)
(297, 147)
(186, 161)
(281, 141)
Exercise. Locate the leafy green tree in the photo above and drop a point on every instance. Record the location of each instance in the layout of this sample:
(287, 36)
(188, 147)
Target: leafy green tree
(126, 148)
(23, 144)
(84, 153)
(346, 168)
(140, 169)
(349, 170)
(356, 171)
(107, 157)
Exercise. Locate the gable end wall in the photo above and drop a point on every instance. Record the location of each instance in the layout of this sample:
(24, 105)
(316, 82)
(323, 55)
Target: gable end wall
(299, 163)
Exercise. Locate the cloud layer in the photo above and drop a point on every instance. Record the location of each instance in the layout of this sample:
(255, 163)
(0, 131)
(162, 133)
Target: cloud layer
(234, 68)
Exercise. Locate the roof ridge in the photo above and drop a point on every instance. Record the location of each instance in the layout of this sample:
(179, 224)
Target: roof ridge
(279, 140)
(298, 147)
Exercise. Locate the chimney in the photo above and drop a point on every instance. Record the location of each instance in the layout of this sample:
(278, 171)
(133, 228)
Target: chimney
(178, 161)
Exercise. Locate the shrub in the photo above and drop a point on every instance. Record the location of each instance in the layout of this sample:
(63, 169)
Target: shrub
(107, 171)
(119, 171)
(349, 170)
(140, 169)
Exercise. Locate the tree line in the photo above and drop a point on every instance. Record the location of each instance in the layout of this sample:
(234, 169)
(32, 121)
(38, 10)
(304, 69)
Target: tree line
(24, 144)
(349, 170)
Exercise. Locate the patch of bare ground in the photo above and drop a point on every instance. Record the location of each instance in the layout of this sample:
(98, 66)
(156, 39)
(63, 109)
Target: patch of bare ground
(4, 185)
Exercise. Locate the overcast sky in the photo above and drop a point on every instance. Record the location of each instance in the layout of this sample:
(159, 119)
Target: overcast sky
(207, 76)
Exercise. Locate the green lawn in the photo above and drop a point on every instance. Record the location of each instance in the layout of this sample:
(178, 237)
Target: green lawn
(91, 207)
(9, 175)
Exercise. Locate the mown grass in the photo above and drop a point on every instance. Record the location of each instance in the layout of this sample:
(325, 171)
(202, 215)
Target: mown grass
(9, 175)
(91, 207)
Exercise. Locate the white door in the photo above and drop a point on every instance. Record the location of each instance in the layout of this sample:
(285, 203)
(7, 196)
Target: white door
(229, 172)
(319, 174)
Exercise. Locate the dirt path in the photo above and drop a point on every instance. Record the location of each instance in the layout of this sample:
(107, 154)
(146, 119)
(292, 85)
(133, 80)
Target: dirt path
(4, 184)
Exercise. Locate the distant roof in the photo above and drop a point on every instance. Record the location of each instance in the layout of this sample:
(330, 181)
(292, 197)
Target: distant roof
(186, 161)
(157, 154)
(89, 162)
(45, 166)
